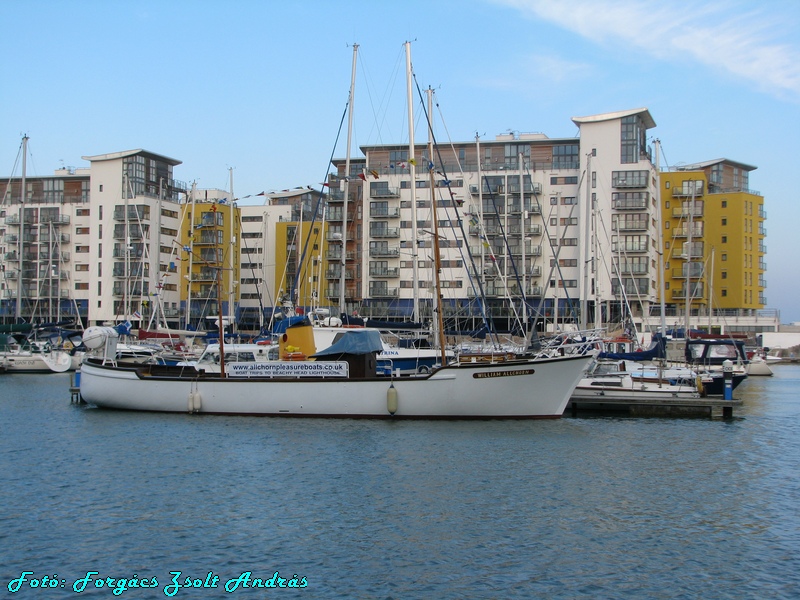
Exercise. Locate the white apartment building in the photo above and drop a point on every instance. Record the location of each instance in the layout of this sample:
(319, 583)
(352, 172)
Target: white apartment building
(564, 219)
(98, 243)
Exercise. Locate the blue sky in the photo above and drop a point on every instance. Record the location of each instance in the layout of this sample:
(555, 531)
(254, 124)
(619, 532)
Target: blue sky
(261, 86)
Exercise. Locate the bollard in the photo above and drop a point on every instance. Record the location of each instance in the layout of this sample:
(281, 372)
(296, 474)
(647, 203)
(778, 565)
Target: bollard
(727, 374)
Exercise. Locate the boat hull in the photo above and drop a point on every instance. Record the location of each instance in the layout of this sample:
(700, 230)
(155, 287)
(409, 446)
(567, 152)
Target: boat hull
(520, 389)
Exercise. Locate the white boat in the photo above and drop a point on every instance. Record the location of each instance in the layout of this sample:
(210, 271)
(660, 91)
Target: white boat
(32, 357)
(640, 383)
(341, 381)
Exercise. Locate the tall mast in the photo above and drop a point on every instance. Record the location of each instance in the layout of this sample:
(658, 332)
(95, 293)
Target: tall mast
(437, 259)
(689, 261)
(523, 239)
(191, 255)
(350, 102)
(662, 277)
(413, 186)
(21, 242)
(231, 243)
(588, 260)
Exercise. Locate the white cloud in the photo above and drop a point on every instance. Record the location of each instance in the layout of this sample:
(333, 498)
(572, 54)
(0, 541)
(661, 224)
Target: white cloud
(742, 43)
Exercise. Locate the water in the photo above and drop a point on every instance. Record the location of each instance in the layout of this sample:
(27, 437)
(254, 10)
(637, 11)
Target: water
(574, 508)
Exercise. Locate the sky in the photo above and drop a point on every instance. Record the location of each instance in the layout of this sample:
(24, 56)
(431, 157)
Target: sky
(259, 88)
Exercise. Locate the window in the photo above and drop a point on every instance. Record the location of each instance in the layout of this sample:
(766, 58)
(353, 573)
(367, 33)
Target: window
(81, 231)
(724, 257)
(724, 221)
(563, 180)
(81, 286)
(81, 267)
(629, 179)
(565, 156)
(724, 204)
(101, 187)
(724, 275)
(724, 293)
(569, 201)
(724, 239)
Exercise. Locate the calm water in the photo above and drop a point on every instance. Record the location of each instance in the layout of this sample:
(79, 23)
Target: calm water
(575, 508)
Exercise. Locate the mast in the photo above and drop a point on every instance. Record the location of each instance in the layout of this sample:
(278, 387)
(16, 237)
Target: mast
(413, 186)
(662, 290)
(689, 261)
(191, 256)
(231, 242)
(710, 278)
(126, 287)
(350, 102)
(21, 243)
(437, 260)
(523, 240)
(588, 260)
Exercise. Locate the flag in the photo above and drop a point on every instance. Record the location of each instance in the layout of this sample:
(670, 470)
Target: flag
(261, 194)
(430, 166)
(412, 161)
(137, 315)
(222, 200)
(402, 165)
(362, 176)
(375, 174)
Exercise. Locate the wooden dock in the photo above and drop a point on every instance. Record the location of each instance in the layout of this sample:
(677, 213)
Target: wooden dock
(695, 407)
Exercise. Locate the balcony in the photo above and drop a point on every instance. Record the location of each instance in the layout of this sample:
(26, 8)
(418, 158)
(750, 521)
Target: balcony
(384, 192)
(390, 272)
(694, 273)
(380, 291)
(46, 238)
(390, 252)
(688, 191)
(630, 225)
(683, 231)
(207, 238)
(132, 290)
(683, 211)
(384, 213)
(536, 271)
(633, 269)
(135, 213)
(537, 291)
(629, 247)
(696, 292)
(337, 273)
(630, 204)
(54, 219)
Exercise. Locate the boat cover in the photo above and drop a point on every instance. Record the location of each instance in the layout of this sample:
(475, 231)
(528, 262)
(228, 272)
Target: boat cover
(356, 341)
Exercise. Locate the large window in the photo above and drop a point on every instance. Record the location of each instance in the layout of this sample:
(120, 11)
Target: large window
(633, 139)
(566, 156)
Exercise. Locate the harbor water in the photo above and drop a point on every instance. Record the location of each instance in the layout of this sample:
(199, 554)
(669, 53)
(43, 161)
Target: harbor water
(102, 503)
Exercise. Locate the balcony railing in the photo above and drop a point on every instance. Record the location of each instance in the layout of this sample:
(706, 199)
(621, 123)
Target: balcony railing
(385, 232)
(384, 251)
(384, 213)
(384, 292)
(385, 272)
(384, 192)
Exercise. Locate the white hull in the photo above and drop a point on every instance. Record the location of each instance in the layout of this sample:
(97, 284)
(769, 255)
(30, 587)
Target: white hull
(628, 388)
(520, 389)
(28, 362)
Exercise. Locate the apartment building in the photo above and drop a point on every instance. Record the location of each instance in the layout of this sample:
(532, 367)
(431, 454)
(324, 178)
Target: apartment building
(714, 246)
(572, 222)
(95, 243)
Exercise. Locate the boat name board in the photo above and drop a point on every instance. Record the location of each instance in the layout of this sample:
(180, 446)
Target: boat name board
(298, 368)
(503, 373)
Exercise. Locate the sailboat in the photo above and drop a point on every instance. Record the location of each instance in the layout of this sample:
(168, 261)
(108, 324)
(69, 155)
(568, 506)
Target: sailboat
(342, 380)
